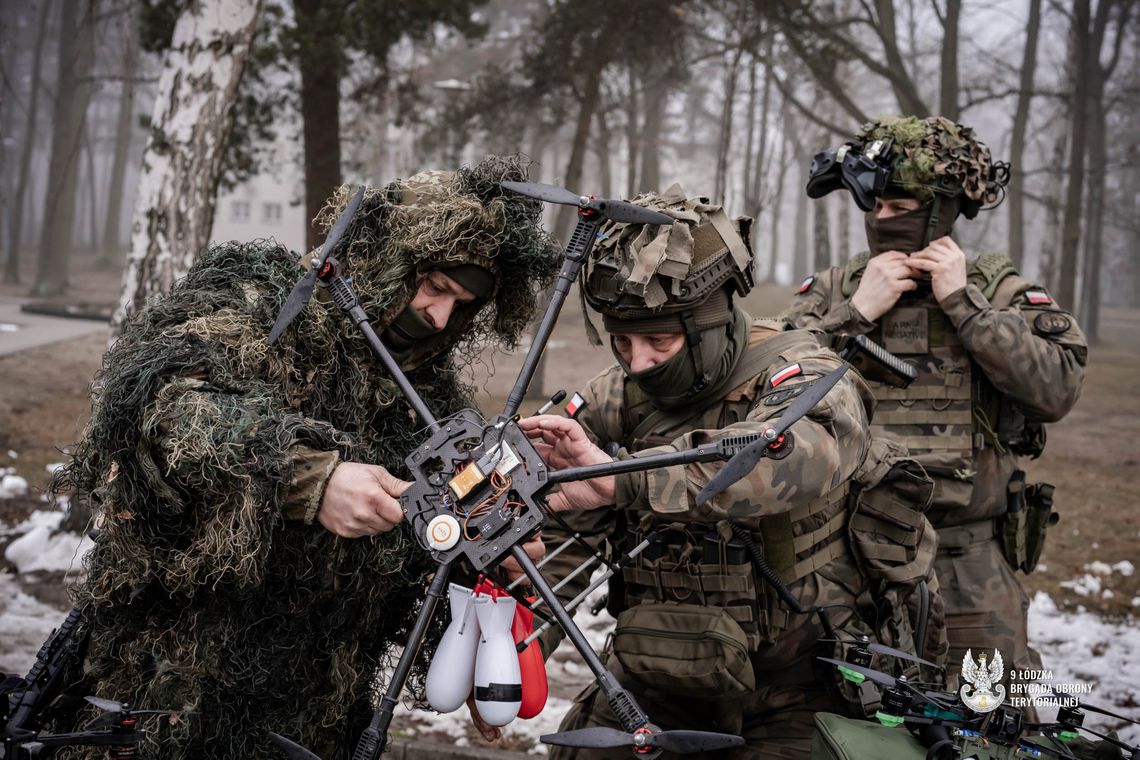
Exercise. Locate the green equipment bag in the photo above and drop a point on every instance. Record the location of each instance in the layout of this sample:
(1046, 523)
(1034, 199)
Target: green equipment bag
(839, 738)
(690, 650)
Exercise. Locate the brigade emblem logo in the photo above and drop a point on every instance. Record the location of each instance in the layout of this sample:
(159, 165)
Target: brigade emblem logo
(982, 691)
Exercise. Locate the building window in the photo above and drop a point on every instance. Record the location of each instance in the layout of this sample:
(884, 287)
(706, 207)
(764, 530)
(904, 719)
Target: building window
(271, 213)
(239, 211)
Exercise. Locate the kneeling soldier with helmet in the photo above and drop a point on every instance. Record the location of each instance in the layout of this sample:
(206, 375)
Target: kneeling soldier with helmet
(701, 640)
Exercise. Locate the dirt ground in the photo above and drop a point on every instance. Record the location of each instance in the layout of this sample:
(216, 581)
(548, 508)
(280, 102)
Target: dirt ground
(1093, 456)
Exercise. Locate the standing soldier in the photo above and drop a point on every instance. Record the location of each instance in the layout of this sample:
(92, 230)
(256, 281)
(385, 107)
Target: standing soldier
(701, 640)
(996, 358)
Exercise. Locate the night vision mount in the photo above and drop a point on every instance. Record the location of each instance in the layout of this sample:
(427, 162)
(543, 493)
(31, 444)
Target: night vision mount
(479, 485)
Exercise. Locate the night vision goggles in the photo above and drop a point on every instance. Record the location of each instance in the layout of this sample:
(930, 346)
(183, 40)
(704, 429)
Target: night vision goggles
(864, 171)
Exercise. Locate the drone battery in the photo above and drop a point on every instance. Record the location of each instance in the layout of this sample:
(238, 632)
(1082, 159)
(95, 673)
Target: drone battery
(494, 523)
(466, 481)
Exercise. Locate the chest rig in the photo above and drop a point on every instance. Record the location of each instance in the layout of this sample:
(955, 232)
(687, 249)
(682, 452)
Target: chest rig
(699, 561)
(950, 412)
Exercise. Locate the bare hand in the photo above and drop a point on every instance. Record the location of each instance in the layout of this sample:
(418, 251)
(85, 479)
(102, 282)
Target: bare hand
(490, 733)
(534, 549)
(561, 442)
(886, 277)
(945, 262)
(361, 500)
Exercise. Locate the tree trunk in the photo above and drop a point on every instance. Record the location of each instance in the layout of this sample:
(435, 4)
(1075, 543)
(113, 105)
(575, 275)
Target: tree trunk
(319, 62)
(602, 152)
(632, 136)
(844, 231)
(821, 236)
(111, 249)
(655, 97)
(182, 162)
(774, 205)
(15, 229)
(724, 143)
(948, 94)
(1074, 194)
(760, 171)
(591, 90)
(1089, 316)
(1016, 189)
(92, 193)
(749, 130)
(73, 91)
(1050, 253)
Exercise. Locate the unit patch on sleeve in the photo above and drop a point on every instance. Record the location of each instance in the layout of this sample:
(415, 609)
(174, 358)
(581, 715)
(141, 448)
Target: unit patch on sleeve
(1037, 297)
(1051, 323)
(805, 286)
(789, 371)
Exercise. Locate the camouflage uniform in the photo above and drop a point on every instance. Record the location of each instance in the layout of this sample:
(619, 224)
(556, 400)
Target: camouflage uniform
(211, 591)
(795, 508)
(995, 359)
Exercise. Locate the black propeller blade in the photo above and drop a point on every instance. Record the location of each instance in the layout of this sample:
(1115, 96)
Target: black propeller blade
(872, 675)
(746, 459)
(680, 741)
(112, 710)
(299, 297)
(892, 652)
(617, 210)
(292, 750)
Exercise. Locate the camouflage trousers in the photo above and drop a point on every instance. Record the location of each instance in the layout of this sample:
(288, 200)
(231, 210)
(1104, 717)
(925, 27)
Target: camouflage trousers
(986, 607)
(777, 722)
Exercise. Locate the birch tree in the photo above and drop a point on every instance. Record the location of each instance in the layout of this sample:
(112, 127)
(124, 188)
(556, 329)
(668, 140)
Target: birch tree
(183, 158)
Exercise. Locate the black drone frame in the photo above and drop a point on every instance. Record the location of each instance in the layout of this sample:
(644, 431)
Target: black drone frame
(515, 511)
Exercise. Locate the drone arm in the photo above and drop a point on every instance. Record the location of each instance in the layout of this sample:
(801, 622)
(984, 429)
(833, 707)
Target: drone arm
(347, 301)
(576, 252)
(710, 452)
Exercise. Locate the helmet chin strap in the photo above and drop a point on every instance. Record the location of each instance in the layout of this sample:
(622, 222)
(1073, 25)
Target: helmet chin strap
(932, 222)
(693, 339)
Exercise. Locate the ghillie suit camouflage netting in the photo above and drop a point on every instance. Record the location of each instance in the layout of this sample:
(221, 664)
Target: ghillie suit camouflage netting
(210, 594)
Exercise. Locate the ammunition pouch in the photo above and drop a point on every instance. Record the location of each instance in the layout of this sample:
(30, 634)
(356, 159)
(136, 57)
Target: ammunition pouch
(1022, 528)
(688, 650)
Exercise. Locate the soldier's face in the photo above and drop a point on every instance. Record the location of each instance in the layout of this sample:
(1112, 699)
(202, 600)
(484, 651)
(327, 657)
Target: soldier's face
(437, 297)
(641, 352)
(885, 208)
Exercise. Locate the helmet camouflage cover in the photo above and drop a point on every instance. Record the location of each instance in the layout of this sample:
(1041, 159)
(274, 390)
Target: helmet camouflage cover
(937, 155)
(641, 271)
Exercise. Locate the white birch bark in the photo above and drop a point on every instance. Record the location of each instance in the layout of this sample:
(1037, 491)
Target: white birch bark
(193, 115)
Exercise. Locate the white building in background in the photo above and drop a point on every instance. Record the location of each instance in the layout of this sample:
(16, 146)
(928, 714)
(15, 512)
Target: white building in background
(263, 207)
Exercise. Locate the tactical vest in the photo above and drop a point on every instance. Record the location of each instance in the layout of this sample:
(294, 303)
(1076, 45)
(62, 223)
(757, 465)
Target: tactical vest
(701, 563)
(949, 416)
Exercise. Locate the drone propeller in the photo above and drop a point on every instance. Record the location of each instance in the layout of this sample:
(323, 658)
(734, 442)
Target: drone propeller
(679, 741)
(887, 681)
(1109, 713)
(112, 710)
(617, 210)
(299, 297)
(745, 461)
(882, 649)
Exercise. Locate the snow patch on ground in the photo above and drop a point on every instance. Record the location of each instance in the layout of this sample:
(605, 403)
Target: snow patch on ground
(12, 485)
(25, 623)
(1081, 648)
(8, 327)
(1096, 574)
(42, 548)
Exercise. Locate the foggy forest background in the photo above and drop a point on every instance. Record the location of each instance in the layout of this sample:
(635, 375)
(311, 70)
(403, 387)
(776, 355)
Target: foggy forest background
(122, 120)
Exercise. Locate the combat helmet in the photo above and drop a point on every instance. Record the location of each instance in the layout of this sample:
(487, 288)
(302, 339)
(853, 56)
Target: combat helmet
(680, 278)
(905, 155)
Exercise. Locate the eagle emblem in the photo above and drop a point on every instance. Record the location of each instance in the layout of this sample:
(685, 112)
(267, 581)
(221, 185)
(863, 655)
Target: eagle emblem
(982, 691)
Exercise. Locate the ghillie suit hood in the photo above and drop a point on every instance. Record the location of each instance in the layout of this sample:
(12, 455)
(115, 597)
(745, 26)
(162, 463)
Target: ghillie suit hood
(439, 220)
(212, 590)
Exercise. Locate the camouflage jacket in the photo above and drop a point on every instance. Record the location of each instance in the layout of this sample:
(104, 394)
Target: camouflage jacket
(995, 359)
(796, 506)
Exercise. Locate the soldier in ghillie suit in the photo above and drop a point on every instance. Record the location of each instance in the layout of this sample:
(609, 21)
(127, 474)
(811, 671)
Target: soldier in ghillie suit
(701, 641)
(996, 357)
(252, 574)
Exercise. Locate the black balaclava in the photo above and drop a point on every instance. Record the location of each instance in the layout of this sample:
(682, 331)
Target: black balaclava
(674, 382)
(409, 327)
(912, 230)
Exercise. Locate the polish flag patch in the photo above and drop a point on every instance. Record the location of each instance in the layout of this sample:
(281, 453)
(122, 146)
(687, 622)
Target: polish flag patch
(789, 371)
(805, 286)
(577, 403)
(1037, 296)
